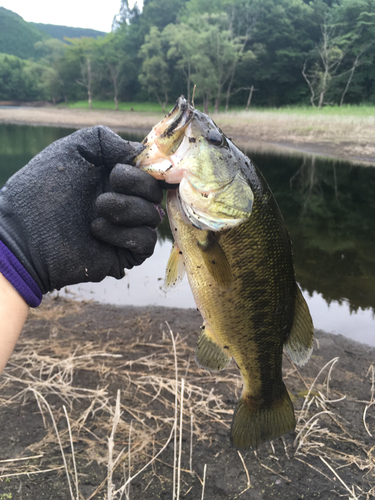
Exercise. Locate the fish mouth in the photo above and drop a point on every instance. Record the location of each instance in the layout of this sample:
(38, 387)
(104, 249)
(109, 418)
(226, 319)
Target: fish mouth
(163, 141)
(181, 115)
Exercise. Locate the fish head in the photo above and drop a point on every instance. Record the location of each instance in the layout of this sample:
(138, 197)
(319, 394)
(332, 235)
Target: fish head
(189, 149)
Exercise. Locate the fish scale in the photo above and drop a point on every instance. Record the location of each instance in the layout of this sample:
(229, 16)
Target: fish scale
(231, 241)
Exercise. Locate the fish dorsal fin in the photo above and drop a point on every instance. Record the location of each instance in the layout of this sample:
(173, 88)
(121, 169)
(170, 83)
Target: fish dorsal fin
(175, 270)
(208, 354)
(215, 259)
(299, 344)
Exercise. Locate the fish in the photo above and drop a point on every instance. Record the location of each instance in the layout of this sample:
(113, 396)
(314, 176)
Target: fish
(231, 241)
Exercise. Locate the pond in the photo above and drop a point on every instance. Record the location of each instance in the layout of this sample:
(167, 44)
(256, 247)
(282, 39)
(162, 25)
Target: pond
(328, 206)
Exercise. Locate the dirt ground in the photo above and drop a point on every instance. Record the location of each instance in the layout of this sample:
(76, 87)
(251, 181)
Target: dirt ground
(76, 359)
(350, 137)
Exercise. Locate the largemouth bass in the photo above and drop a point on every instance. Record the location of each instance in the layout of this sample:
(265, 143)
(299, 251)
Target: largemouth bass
(231, 240)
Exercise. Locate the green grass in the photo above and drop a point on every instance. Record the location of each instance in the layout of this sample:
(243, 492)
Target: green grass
(151, 107)
(148, 107)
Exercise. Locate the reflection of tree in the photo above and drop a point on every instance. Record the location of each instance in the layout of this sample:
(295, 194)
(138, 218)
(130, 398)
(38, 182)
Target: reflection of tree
(18, 144)
(307, 180)
(329, 209)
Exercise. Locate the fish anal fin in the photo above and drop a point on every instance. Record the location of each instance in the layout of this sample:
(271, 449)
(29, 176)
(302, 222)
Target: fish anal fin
(299, 344)
(254, 424)
(175, 270)
(209, 355)
(215, 259)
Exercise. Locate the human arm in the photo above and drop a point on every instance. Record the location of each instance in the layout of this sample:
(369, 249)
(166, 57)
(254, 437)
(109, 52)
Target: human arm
(13, 313)
(76, 212)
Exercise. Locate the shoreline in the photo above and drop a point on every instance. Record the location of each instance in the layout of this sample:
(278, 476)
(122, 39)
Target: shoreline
(349, 138)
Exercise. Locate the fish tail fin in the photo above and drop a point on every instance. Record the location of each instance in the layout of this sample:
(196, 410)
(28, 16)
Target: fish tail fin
(253, 424)
(299, 344)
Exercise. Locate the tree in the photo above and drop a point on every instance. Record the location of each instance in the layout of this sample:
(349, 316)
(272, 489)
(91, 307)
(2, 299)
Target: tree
(110, 63)
(81, 50)
(182, 48)
(347, 34)
(20, 80)
(154, 76)
(356, 19)
(327, 58)
(52, 51)
(206, 50)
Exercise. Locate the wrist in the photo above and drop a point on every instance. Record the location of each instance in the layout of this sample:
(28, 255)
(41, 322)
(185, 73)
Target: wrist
(18, 277)
(13, 313)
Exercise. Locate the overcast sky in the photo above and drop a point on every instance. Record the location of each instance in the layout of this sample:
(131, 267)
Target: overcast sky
(77, 13)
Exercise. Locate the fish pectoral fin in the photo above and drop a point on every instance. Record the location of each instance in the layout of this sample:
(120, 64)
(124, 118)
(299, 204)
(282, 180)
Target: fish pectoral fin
(299, 344)
(208, 354)
(254, 424)
(175, 270)
(215, 259)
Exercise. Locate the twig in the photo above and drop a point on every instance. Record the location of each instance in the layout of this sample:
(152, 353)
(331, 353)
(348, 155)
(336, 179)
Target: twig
(111, 445)
(191, 443)
(364, 418)
(180, 444)
(38, 395)
(204, 480)
(247, 473)
(353, 497)
(29, 473)
(145, 467)
(175, 413)
(20, 459)
(314, 417)
(127, 490)
(73, 455)
(332, 361)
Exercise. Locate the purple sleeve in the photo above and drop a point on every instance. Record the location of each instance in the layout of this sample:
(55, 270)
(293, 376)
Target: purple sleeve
(16, 274)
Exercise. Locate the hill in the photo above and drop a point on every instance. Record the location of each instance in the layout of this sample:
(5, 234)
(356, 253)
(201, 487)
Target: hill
(60, 32)
(17, 37)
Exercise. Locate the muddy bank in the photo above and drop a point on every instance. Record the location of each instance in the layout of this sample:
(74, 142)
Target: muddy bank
(350, 137)
(79, 355)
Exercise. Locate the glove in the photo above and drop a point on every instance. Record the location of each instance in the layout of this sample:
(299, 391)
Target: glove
(65, 219)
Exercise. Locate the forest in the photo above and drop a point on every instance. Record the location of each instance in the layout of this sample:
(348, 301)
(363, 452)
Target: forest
(238, 53)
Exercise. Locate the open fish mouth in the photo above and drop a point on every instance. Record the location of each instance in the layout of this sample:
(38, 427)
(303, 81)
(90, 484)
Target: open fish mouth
(178, 117)
(163, 141)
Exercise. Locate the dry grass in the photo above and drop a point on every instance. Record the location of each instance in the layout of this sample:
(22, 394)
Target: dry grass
(162, 396)
(151, 387)
(352, 135)
(322, 433)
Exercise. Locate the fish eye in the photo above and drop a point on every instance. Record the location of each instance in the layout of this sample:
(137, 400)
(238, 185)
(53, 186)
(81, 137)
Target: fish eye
(214, 138)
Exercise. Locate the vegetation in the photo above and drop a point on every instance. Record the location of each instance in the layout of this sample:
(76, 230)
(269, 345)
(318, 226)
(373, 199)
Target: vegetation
(237, 52)
(62, 32)
(17, 37)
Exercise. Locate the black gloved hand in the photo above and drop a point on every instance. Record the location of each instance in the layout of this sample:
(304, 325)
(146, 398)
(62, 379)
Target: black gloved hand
(60, 219)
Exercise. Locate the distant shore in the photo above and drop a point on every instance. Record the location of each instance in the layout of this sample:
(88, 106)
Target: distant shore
(345, 137)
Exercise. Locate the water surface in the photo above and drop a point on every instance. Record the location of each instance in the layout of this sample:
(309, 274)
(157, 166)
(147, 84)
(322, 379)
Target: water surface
(328, 206)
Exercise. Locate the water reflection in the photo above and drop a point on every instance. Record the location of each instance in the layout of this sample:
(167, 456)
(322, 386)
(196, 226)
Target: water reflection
(328, 206)
(18, 144)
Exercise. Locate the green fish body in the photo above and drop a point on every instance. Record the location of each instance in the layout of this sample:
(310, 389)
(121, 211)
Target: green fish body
(237, 254)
